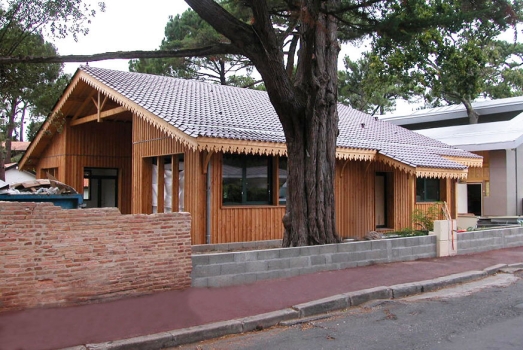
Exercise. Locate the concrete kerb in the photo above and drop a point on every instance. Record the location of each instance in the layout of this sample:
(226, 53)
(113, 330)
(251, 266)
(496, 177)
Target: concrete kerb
(300, 311)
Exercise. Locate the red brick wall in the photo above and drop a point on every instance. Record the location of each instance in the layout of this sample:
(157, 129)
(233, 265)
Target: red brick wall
(50, 256)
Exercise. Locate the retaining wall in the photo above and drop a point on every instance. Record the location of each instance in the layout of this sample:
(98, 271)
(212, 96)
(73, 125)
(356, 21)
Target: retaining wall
(50, 256)
(484, 240)
(234, 268)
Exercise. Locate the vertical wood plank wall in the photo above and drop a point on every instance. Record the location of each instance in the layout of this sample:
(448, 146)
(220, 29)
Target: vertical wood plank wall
(241, 223)
(93, 145)
(354, 186)
(53, 157)
(148, 141)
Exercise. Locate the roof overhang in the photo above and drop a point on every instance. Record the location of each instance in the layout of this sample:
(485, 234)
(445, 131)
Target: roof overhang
(424, 171)
(55, 121)
(486, 107)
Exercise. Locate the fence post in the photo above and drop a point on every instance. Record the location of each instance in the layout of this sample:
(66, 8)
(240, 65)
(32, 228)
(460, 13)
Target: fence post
(446, 239)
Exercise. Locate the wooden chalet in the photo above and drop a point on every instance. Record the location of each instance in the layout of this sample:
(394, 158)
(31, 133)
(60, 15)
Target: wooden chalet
(128, 139)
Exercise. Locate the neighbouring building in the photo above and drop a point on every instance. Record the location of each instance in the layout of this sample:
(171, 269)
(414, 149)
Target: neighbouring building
(497, 188)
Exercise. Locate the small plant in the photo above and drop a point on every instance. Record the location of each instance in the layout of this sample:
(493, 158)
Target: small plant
(424, 220)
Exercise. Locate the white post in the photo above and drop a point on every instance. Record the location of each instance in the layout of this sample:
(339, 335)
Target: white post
(446, 239)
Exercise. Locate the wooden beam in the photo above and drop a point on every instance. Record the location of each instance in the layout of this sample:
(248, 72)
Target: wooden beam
(104, 114)
(84, 103)
(205, 161)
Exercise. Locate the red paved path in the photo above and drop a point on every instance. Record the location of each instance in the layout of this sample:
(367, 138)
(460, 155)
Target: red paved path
(53, 328)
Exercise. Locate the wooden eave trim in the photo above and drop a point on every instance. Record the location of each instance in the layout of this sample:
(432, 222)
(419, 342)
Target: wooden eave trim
(46, 130)
(141, 112)
(101, 115)
(469, 162)
(442, 173)
(355, 154)
(210, 144)
(396, 164)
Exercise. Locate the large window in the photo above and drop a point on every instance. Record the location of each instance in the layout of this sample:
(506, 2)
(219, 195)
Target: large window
(427, 190)
(246, 179)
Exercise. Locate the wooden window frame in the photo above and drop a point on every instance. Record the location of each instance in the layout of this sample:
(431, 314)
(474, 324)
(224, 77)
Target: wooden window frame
(424, 199)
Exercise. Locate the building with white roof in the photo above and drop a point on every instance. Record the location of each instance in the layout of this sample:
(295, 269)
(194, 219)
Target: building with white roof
(497, 189)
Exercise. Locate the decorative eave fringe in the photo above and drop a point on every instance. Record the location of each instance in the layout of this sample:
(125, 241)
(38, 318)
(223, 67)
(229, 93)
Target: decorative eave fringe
(469, 162)
(442, 173)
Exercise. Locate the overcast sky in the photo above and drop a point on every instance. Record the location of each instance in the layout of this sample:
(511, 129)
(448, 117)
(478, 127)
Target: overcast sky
(124, 26)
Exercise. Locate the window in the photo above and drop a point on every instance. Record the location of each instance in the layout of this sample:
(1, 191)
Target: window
(246, 179)
(167, 180)
(427, 190)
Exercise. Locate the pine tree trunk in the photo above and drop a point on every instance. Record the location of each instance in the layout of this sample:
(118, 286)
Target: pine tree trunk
(311, 147)
(310, 215)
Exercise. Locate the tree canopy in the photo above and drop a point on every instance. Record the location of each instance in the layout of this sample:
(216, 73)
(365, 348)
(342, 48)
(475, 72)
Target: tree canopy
(362, 86)
(455, 64)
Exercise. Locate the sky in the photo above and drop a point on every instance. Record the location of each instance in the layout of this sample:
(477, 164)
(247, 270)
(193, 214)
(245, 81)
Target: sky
(124, 26)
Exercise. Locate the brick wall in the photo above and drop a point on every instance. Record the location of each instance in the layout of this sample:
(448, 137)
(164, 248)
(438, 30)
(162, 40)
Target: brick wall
(50, 256)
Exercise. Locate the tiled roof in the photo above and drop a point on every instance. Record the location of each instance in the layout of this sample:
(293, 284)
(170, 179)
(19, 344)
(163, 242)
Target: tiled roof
(208, 110)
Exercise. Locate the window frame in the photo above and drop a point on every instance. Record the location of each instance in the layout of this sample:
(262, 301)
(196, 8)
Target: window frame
(272, 180)
(424, 199)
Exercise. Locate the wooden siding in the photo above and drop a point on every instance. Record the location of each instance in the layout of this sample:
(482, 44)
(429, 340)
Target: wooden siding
(241, 223)
(448, 195)
(354, 186)
(479, 175)
(148, 141)
(93, 145)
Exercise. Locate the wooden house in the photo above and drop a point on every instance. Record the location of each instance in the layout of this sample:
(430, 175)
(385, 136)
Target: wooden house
(147, 143)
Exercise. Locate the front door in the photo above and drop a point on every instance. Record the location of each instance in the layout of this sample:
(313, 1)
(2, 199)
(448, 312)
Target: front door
(474, 199)
(100, 187)
(380, 204)
(384, 200)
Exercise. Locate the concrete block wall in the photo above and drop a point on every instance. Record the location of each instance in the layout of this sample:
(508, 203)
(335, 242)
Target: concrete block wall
(50, 256)
(233, 268)
(484, 240)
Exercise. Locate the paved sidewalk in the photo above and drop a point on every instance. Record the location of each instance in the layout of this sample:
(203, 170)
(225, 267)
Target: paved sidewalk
(55, 328)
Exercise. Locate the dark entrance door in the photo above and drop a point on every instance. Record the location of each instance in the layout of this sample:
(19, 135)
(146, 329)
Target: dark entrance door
(383, 200)
(474, 199)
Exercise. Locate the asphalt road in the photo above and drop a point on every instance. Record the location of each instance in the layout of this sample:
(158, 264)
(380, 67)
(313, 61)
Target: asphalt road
(481, 315)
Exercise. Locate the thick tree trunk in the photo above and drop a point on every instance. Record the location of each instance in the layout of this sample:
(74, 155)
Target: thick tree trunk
(310, 218)
(2, 163)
